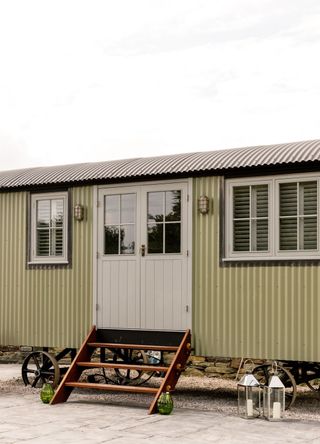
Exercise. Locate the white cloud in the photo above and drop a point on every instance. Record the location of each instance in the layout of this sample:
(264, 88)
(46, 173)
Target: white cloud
(83, 81)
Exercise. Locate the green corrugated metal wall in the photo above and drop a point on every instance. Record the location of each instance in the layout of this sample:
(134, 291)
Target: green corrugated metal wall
(44, 307)
(238, 310)
(244, 310)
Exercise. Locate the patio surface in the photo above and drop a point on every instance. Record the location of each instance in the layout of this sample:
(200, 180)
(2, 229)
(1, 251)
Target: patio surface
(24, 418)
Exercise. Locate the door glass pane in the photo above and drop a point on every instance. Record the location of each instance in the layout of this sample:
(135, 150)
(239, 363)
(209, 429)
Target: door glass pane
(155, 206)
(127, 240)
(111, 239)
(155, 238)
(173, 205)
(173, 238)
(120, 223)
(128, 208)
(164, 207)
(112, 209)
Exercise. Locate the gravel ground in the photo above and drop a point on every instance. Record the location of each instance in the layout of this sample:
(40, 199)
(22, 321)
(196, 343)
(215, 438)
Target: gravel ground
(201, 393)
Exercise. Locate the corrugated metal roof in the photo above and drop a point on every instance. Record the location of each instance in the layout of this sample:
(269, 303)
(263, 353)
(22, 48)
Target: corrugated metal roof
(188, 163)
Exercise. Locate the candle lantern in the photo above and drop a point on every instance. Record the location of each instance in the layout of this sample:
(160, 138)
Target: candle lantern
(249, 396)
(274, 397)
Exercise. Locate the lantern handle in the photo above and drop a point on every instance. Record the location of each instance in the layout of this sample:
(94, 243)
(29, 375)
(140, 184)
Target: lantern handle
(274, 367)
(251, 364)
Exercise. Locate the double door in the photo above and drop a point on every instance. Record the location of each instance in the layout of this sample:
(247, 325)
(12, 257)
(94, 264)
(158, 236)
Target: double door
(143, 259)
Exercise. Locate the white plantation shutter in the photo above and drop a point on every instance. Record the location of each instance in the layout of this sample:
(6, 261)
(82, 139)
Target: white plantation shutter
(43, 228)
(250, 218)
(275, 217)
(49, 236)
(241, 218)
(298, 220)
(49, 221)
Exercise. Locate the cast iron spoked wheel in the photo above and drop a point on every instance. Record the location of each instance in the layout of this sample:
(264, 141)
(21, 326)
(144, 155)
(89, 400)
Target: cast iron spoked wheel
(263, 373)
(40, 367)
(129, 376)
(314, 385)
(311, 374)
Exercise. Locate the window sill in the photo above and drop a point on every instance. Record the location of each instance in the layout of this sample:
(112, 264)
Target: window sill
(271, 260)
(48, 263)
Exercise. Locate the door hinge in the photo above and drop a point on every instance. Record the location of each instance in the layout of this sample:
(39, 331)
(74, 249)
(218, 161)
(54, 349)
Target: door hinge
(187, 253)
(97, 255)
(97, 307)
(188, 197)
(187, 308)
(98, 203)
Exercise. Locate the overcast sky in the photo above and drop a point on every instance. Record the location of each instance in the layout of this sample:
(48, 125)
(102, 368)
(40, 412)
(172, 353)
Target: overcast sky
(97, 80)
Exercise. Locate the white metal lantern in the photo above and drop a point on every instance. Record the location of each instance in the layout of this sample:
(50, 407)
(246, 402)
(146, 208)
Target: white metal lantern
(274, 397)
(249, 397)
(78, 212)
(203, 204)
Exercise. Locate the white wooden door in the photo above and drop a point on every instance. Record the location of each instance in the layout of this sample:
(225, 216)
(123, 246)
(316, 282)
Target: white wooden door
(143, 257)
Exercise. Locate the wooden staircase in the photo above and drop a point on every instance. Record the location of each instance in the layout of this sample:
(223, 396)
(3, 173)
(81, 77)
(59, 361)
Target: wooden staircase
(127, 341)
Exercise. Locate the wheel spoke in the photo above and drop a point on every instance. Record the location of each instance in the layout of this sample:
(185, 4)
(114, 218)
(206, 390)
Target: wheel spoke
(35, 359)
(40, 367)
(29, 370)
(35, 382)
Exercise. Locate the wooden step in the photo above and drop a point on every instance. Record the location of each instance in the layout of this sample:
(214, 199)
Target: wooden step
(116, 346)
(115, 340)
(113, 365)
(112, 387)
(139, 336)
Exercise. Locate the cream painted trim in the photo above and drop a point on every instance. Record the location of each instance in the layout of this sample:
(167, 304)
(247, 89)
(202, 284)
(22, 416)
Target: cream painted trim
(97, 189)
(94, 254)
(274, 253)
(190, 251)
(35, 197)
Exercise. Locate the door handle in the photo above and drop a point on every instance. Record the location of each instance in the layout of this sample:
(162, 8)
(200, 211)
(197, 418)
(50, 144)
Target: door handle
(143, 250)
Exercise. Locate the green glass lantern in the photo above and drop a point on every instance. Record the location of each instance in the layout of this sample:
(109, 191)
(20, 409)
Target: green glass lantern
(46, 393)
(165, 403)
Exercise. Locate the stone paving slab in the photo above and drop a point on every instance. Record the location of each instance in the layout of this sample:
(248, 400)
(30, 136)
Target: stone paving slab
(25, 419)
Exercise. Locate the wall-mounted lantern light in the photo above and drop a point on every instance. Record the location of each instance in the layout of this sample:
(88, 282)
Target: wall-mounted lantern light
(78, 212)
(203, 204)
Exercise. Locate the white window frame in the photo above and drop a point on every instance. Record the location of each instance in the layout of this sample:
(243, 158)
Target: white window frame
(313, 254)
(274, 252)
(230, 254)
(34, 259)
